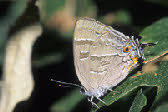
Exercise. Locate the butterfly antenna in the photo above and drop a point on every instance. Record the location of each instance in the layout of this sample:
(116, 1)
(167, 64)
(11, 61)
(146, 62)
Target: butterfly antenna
(148, 44)
(66, 83)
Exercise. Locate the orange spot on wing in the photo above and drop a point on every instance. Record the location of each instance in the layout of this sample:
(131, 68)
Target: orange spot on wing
(135, 60)
(59, 85)
(127, 48)
(155, 74)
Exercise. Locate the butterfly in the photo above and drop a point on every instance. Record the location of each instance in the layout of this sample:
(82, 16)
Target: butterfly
(103, 57)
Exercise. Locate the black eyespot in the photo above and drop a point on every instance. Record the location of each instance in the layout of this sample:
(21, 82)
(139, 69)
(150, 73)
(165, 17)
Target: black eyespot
(126, 49)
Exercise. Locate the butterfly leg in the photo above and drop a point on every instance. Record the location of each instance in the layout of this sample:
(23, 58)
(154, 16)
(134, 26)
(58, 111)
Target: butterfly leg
(101, 100)
(113, 90)
(91, 100)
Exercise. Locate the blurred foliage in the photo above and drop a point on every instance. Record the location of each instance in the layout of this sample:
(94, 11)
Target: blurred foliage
(162, 108)
(17, 8)
(139, 102)
(48, 59)
(49, 7)
(123, 16)
(120, 17)
(85, 8)
(68, 102)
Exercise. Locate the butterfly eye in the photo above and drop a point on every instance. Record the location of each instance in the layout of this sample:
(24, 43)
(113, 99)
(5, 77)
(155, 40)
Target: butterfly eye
(127, 48)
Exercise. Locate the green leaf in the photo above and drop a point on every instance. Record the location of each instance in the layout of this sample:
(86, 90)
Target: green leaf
(156, 33)
(48, 59)
(123, 17)
(139, 102)
(85, 8)
(162, 108)
(156, 78)
(119, 17)
(68, 103)
(49, 7)
(16, 9)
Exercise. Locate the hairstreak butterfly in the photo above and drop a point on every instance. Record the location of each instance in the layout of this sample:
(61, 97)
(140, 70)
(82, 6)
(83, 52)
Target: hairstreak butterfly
(103, 57)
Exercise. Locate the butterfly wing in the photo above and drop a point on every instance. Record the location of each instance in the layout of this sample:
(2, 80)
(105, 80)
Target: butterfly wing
(98, 54)
(84, 37)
